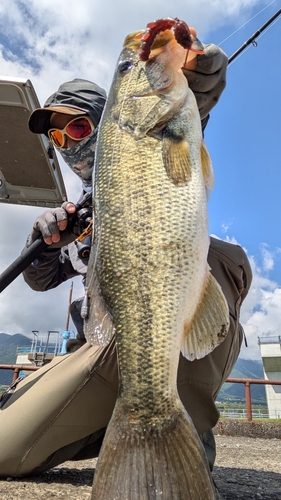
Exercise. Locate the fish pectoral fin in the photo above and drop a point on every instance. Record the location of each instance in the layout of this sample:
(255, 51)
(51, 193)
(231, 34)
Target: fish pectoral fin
(176, 159)
(98, 325)
(210, 324)
(207, 168)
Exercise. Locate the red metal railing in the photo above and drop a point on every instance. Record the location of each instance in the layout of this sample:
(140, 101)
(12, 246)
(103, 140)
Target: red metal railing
(17, 368)
(246, 381)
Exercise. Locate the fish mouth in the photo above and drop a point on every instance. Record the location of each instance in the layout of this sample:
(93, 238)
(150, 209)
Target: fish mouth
(164, 32)
(165, 52)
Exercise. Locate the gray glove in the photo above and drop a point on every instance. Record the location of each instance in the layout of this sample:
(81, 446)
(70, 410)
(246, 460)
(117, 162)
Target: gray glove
(46, 225)
(208, 80)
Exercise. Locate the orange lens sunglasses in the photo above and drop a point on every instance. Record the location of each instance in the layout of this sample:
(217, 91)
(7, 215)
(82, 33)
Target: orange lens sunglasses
(76, 129)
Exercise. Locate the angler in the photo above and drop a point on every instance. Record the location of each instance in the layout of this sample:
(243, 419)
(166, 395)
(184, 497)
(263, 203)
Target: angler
(84, 384)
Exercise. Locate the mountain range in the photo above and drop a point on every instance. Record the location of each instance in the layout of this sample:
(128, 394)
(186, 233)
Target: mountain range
(234, 392)
(8, 353)
(230, 392)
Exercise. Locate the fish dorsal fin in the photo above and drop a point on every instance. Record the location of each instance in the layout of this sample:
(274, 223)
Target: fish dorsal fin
(207, 167)
(176, 159)
(210, 324)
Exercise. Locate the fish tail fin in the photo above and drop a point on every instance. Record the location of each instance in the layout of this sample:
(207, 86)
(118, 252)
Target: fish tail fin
(148, 461)
(210, 324)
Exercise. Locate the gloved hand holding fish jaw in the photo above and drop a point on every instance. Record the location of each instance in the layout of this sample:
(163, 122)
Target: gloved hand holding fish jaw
(208, 79)
(148, 265)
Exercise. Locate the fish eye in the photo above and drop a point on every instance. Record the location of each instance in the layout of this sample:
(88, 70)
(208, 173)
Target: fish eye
(124, 66)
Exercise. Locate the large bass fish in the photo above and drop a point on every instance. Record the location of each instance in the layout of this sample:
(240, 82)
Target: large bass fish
(148, 276)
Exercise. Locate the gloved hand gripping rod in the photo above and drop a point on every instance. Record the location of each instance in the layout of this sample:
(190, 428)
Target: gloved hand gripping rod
(34, 250)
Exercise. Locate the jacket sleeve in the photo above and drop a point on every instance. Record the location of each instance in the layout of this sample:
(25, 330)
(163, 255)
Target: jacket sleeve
(208, 80)
(50, 270)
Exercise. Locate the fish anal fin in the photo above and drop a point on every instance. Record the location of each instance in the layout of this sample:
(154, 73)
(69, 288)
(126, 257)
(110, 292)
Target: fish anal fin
(176, 159)
(207, 167)
(210, 324)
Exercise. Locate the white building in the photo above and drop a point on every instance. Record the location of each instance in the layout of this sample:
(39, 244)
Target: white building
(42, 350)
(271, 357)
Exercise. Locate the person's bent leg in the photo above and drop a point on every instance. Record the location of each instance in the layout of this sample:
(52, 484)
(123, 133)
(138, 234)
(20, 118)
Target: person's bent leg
(199, 381)
(58, 410)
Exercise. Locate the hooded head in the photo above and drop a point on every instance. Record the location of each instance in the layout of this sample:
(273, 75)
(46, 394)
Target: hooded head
(77, 97)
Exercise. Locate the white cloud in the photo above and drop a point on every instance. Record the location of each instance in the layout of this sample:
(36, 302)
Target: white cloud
(23, 310)
(226, 226)
(231, 239)
(50, 42)
(268, 258)
(261, 312)
(54, 45)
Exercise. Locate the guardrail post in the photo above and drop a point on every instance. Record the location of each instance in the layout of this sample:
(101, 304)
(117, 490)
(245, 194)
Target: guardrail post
(15, 374)
(248, 400)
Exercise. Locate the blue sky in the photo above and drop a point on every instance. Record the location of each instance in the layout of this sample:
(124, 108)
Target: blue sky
(246, 149)
(50, 45)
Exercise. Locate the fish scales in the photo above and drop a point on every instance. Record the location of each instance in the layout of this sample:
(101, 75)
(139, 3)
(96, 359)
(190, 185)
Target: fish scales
(149, 260)
(144, 266)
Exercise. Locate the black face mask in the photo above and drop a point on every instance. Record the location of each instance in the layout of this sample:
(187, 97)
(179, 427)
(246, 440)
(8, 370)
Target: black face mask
(80, 158)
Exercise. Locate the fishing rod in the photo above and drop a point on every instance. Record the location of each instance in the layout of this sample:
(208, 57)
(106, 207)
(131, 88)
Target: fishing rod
(69, 305)
(252, 38)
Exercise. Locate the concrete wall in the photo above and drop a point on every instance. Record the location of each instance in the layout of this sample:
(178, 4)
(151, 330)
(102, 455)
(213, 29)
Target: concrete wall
(271, 358)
